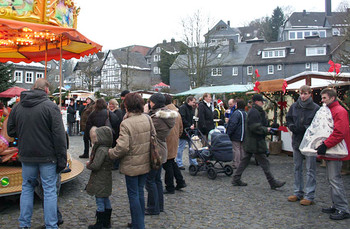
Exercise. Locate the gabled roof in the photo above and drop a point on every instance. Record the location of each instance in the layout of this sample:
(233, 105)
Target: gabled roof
(171, 47)
(136, 48)
(131, 59)
(303, 19)
(95, 66)
(339, 18)
(220, 56)
(221, 29)
(299, 55)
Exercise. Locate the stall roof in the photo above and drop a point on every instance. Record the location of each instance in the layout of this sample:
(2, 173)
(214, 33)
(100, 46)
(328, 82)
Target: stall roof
(218, 89)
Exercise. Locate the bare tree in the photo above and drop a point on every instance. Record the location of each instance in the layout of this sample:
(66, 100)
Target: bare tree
(195, 62)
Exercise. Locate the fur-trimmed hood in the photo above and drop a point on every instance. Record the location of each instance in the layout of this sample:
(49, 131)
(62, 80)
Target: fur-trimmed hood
(166, 113)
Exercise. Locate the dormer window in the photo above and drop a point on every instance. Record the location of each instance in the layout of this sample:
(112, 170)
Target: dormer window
(273, 54)
(315, 51)
(158, 50)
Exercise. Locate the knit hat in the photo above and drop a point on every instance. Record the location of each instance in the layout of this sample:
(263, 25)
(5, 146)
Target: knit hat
(258, 97)
(158, 99)
(92, 97)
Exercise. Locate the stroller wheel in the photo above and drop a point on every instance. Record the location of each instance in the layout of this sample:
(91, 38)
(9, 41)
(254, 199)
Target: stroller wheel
(211, 173)
(228, 170)
(193, 170)
(210, 165)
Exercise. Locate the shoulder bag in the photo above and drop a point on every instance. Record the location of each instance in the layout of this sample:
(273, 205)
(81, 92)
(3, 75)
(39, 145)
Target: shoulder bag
(156, 161)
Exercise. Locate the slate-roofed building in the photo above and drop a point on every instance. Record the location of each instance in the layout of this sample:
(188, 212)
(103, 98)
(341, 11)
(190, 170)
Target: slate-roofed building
(221, 33)
(25, 75)
(224, 66)
(153, 56)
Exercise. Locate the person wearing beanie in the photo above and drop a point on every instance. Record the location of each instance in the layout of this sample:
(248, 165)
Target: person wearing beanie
(163, 121)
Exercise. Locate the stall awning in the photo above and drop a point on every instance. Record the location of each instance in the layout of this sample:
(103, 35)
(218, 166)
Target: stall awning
(218, 89)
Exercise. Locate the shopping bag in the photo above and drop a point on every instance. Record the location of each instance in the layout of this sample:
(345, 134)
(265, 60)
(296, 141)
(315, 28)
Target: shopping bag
(321, 127)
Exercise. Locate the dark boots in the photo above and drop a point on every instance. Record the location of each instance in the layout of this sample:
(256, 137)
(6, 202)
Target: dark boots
(107, 218)
(99, 221)
(276, 184)
(84, 155)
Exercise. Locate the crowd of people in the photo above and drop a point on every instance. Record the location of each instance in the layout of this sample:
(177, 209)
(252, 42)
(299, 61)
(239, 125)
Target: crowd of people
(121, 139)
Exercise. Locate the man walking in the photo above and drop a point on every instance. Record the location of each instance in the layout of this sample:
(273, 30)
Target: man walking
(236, 132)
(37, 123)
(254, 143)
(186, 111)
(340, 207)
(299, 118)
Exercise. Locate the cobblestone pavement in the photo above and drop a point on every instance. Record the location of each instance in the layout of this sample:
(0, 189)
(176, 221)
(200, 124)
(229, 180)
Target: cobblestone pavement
(204, 203)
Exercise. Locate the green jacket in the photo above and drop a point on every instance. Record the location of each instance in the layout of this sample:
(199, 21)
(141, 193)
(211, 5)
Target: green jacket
(256, 131)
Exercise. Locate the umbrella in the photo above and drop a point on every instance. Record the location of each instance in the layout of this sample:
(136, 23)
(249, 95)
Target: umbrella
(27, 42)
(12, 92)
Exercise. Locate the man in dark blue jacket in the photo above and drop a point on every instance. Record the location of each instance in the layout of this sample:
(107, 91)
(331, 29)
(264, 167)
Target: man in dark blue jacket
(37, 122)
(235, 130)
(299, 118)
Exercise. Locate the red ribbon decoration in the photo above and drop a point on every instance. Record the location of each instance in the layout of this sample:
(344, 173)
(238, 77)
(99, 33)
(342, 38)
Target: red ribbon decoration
(282, 104)
(334, 66)
(257, 73)
(284, 86)
(283, 128)
(256, 87)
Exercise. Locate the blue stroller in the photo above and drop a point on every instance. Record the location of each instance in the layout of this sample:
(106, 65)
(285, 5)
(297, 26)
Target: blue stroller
(211, 157)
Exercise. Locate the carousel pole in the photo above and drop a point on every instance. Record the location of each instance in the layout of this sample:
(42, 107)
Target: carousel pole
(45, 59)
(60, 105)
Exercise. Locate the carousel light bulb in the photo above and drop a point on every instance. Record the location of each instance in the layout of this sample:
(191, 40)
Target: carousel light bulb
(5, 181)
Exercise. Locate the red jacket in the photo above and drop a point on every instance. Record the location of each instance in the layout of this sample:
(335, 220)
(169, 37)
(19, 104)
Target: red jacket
(341, 130)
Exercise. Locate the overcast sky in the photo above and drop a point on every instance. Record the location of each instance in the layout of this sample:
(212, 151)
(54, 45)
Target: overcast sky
(115, 24)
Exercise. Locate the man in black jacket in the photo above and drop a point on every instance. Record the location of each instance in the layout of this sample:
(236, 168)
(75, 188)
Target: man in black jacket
(186, 111)
(299, 118)
(254, 143)
(37, 122)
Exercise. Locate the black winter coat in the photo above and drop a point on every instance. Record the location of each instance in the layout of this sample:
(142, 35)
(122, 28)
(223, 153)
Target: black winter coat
(299, 119)
(71, 114)
(256, 131)
(99, 118)
(236, 125)
(37, 122)
(186, 112)
(206, 119)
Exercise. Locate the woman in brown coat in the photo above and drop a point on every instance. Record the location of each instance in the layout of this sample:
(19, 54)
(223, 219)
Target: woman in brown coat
(172, 141)
(133, 150)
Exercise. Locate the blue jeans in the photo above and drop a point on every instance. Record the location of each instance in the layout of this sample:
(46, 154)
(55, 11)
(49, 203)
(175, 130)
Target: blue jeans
(154, 187)
(298, 175)
(103, 203)
(180, 150)
(48, 177)
(135, 185)
(337, 189)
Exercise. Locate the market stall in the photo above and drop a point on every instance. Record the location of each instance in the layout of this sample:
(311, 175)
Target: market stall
(40, 31)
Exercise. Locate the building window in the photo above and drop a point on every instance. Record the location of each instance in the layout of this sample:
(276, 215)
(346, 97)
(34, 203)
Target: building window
(39, 75)
(155, 70)
(316, 51)
(235, 71)
(158, 50)
(270, 69)
(279, 67)
(18, 76)
(29, 77)
(314, 67)
(293, 35)
(250, 70)
(192, 71)
(274, 54)
(148, 61)
(335, 31)
(307, 65)
(216, 72)
(156, 58)
(57, 78)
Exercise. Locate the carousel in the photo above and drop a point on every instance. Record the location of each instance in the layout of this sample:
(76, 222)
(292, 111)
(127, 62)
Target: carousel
(33, 31)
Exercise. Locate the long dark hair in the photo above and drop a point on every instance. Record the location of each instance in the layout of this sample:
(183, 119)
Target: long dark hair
(100, 104)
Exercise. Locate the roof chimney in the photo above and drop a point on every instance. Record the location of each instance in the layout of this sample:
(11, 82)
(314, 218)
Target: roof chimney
(172, 42)
(164, 42)
(228, 23)
(328, 7)
(304, 12)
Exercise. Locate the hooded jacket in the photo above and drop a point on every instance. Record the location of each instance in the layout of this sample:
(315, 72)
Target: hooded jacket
(236, 125)
(37, 122)
(172, 141)
(100, 182)
(163, 120)
(299, 118)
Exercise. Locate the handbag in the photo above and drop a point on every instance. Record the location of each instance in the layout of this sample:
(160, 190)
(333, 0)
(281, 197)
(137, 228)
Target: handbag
(156, 161)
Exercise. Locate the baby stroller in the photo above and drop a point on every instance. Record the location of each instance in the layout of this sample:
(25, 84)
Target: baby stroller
(211, 157)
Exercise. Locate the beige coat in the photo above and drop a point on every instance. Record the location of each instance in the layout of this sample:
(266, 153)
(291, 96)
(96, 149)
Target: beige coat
(172, 140)
(133, 145)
